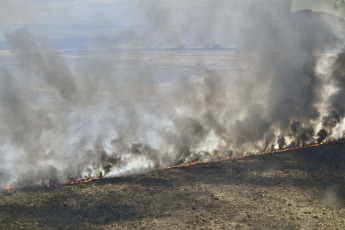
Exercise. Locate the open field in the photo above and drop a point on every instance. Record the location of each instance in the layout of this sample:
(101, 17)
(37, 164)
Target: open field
(298, 189)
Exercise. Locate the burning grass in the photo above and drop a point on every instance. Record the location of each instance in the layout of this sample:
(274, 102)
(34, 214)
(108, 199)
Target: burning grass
(294, 189)
(72, 182)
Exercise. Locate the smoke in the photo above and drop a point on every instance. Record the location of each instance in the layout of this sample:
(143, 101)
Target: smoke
(114, 112)
(334, 6)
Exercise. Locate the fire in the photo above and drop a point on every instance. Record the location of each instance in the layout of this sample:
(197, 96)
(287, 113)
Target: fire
(183, 165)
(84, 181)
(71, 182)
(264, 152)
(197, 162)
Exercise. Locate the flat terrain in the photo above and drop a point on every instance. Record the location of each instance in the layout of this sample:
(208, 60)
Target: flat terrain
(298, 189)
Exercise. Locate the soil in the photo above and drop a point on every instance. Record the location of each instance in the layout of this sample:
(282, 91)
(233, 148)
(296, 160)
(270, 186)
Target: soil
(297, 189)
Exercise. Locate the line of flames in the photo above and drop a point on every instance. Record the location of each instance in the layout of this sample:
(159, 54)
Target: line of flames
(194, 163)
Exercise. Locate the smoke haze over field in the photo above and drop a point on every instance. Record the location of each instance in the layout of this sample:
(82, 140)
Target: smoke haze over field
(127, 110)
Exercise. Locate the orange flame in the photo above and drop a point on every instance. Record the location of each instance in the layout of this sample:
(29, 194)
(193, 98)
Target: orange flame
(71, 182)
(84, 181)
(183, 165)
(196, 162)
(264, 152)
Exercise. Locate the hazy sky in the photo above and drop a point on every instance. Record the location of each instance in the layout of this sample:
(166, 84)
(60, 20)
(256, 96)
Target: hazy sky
(114, 11)
(110, 12)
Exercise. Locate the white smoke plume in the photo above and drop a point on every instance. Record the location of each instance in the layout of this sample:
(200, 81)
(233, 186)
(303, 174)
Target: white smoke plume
(102, 115)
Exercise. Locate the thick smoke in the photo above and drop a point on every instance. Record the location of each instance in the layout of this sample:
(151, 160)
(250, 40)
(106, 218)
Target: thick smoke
(104, 116)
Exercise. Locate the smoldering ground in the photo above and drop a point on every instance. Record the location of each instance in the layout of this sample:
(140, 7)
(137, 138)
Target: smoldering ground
(100, 117)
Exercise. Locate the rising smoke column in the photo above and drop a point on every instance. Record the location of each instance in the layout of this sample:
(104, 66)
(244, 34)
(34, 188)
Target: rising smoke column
(335, 104)
(98, 118)
(285, 45)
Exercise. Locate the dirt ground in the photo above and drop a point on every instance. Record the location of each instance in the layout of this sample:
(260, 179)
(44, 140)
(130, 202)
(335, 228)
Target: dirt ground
(298, 189)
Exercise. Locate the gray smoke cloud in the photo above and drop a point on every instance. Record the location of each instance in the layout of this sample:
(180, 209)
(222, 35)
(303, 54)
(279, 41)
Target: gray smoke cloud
(336, 7)
(105, 116)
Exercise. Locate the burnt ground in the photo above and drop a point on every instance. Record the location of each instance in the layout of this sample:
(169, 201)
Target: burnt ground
(298, 189)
